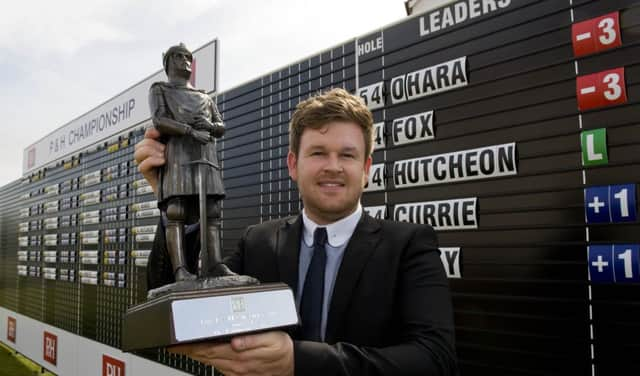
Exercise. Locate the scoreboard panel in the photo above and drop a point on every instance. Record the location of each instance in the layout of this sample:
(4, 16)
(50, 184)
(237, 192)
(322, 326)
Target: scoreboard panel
(508, 125)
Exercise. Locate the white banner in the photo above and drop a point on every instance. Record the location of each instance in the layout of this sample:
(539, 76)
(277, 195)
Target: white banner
(116, 115)
(65, 353)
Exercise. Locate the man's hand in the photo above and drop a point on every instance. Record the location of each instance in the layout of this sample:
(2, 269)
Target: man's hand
(269, 353)
(149, 154)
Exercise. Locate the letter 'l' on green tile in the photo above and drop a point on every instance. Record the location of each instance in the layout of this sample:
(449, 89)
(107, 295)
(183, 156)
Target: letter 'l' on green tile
(594, 147)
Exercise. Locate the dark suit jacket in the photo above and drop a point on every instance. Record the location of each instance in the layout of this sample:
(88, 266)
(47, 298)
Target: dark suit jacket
(391, 311)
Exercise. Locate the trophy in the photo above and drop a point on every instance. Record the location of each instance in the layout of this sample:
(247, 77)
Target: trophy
(214, 303)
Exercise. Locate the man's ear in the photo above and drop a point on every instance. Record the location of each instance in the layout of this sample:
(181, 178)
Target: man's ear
(367, 168)
(292, 161)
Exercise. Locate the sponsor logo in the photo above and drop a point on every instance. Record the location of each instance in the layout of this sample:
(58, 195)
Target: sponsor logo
(50, 348)
(112, 366)
(31, 157)
(11, 329)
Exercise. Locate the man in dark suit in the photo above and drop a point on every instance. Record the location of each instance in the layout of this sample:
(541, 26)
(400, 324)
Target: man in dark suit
(372, 294)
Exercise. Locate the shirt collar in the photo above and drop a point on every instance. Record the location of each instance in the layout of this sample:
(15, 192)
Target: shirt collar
(338, 233)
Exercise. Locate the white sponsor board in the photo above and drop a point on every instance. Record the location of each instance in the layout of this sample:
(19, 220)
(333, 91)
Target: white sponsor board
(114, 116)
(76, 355)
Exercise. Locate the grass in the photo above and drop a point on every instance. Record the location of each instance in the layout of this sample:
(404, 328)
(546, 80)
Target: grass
(17, 365)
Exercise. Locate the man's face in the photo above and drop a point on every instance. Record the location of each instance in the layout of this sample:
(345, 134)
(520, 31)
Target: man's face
(180, 64)
(331, 170)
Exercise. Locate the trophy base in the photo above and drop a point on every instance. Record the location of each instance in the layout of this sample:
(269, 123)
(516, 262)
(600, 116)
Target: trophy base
(209, 314)
(203, 284)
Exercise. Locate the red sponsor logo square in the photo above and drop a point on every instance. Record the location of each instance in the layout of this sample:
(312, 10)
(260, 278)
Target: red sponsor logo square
(12, 328)
(31, 157)
(50, 348)
(112, 366)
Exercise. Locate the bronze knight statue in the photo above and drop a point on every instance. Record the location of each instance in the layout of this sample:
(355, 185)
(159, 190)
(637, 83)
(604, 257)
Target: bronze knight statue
(192, 296)
(188, 121)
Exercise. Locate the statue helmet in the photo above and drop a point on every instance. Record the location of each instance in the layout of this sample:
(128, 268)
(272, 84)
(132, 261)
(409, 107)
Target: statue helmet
(173, 49)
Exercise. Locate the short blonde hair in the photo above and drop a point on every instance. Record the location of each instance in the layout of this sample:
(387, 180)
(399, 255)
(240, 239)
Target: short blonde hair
(333, 105)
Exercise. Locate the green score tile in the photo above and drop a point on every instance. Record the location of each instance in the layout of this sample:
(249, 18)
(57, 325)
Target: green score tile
(594, 147)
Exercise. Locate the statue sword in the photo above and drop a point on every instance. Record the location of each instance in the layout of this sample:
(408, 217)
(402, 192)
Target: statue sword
(202, 203)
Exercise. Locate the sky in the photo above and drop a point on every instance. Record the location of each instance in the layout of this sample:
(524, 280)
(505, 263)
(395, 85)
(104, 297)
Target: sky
(60, 59)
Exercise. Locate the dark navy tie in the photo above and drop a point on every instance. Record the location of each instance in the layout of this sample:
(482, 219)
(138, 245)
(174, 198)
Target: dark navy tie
(313, 292)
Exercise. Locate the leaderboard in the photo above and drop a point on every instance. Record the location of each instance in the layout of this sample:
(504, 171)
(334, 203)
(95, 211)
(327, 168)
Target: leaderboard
(85, 228)
(493, 121)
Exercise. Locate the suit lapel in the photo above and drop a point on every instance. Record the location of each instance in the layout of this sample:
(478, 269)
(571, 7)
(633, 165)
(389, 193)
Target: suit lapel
(288, 251)
(360, 248)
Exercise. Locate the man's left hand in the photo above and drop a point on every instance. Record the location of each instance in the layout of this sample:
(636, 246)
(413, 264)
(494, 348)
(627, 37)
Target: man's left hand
(269, 353)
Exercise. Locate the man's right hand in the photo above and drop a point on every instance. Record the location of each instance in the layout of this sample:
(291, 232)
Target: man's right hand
(149, 154)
